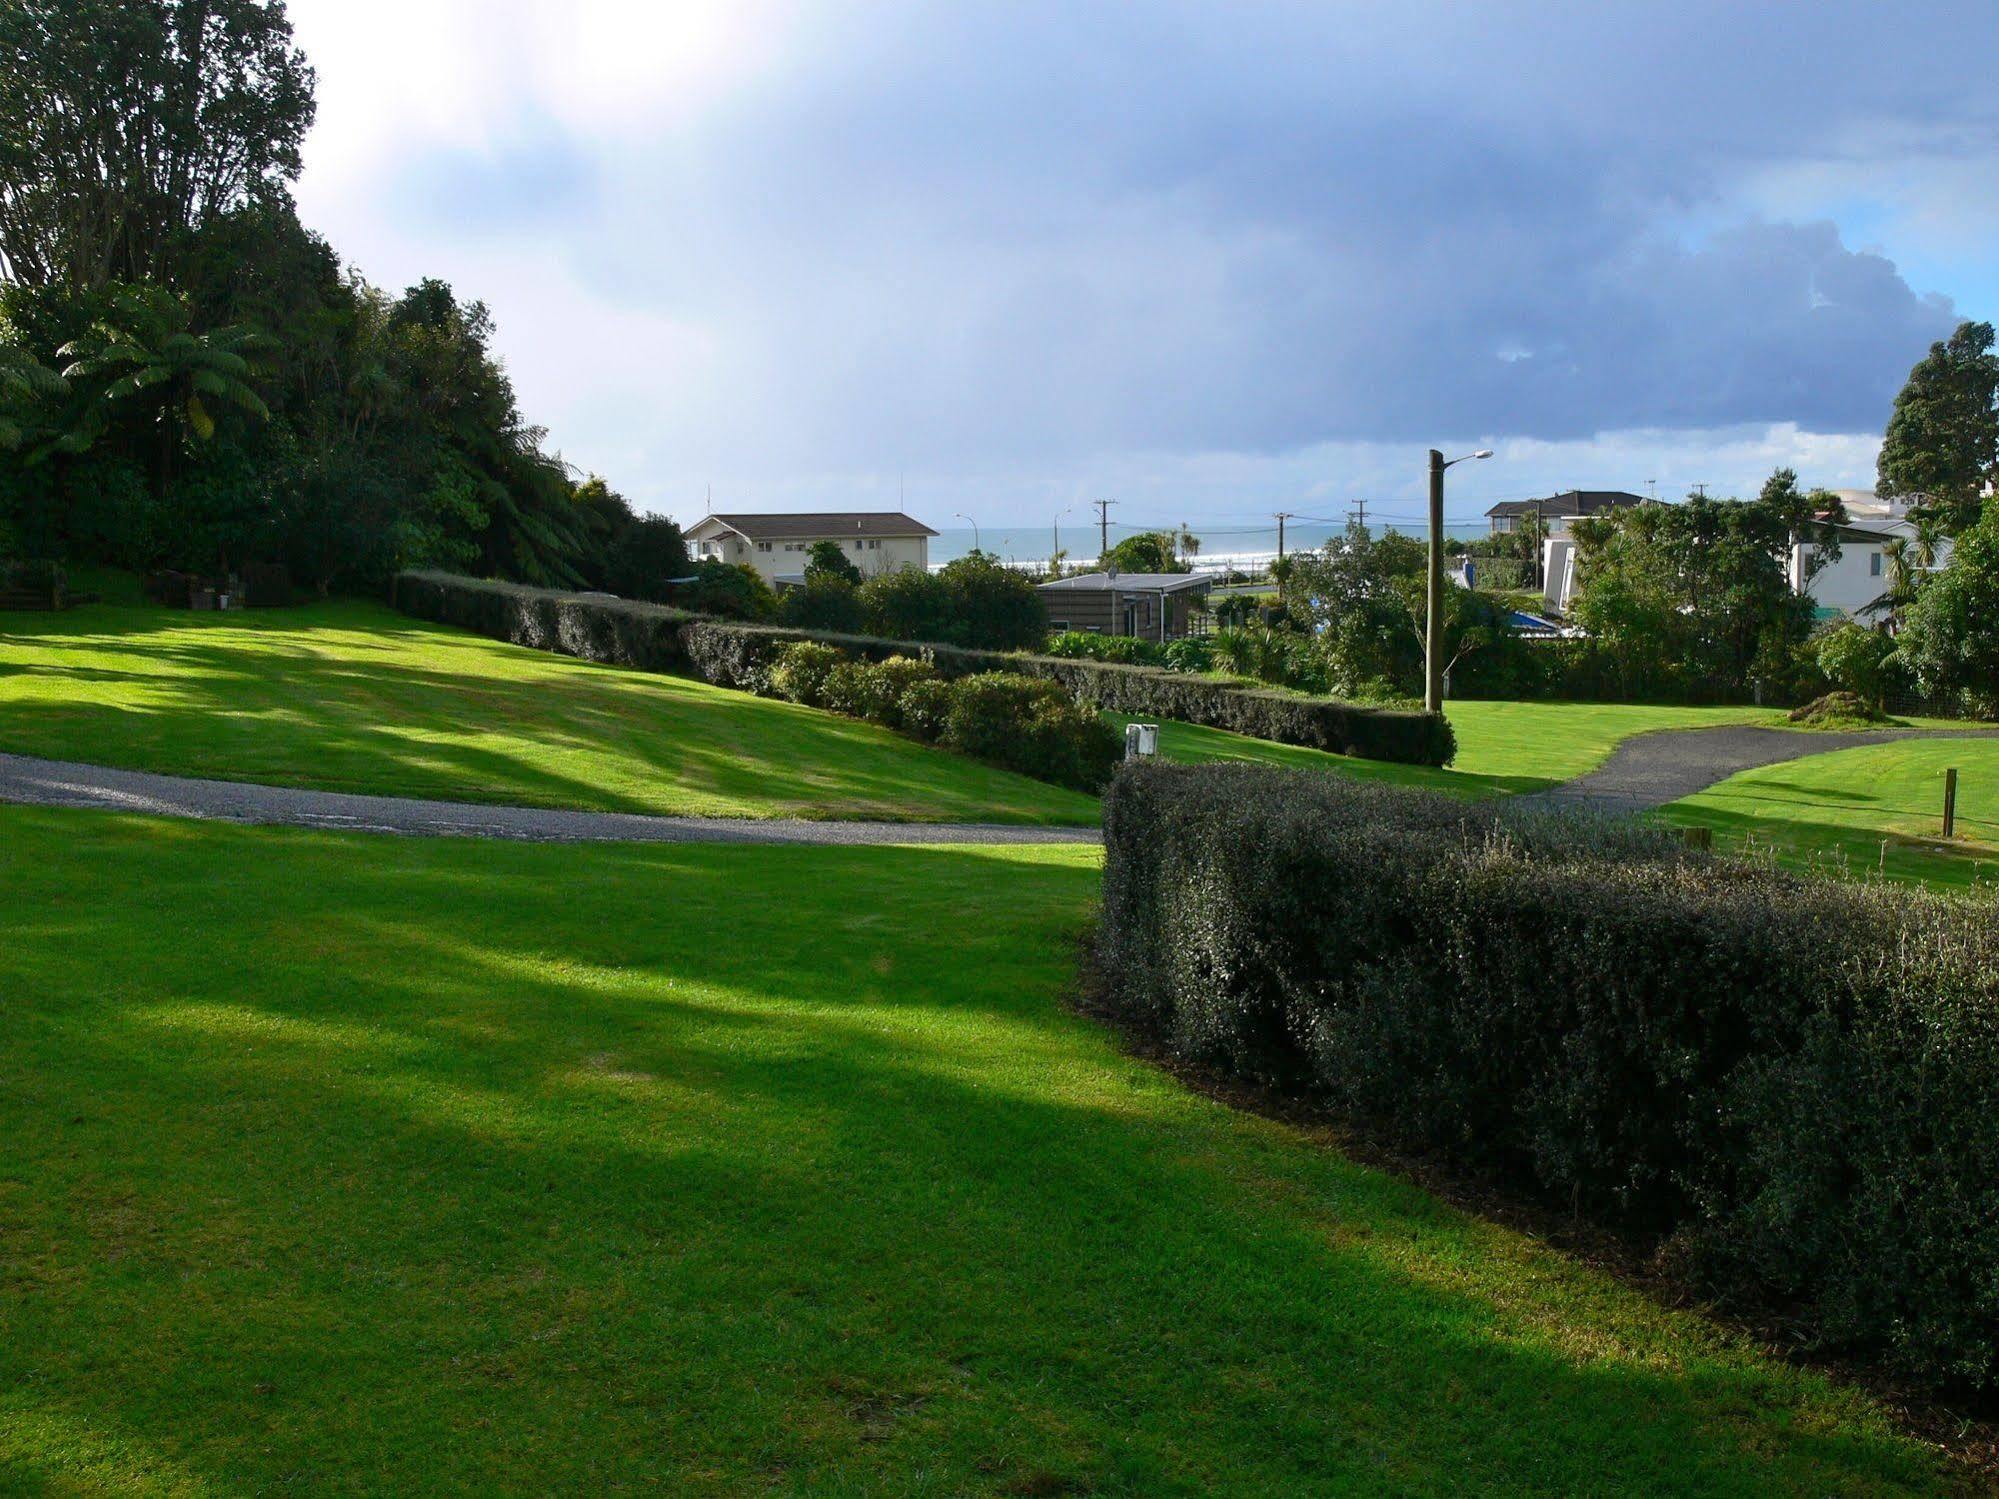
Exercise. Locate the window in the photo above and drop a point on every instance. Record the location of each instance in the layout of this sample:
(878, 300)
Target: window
(1874, 565)
(874, 546)
(763, 546)
(1058, 626)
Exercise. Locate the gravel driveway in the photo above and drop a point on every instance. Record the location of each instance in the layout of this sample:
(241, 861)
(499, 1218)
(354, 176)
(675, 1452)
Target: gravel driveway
(61, 783)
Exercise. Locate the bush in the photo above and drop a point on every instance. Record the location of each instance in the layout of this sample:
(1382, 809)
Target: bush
(925, 707)
(801, 670)
(1790, 1083)
(822, 603)
(1127, 650)
(1031, 725)
(874, 689)
(267, 585)
(39, 575)
(727, 590)
(741, 655)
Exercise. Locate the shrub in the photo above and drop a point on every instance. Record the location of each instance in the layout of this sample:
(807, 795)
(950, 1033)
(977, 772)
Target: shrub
(1837, 710)
(824, 602)
(34, 575)
(801, 670)
(1127, 650)
(1031, 725)
(873, 689)
(267, 585)
(1791, 1083)
(741, 655)
(728, 590)
(1195, 654)
(924, 707)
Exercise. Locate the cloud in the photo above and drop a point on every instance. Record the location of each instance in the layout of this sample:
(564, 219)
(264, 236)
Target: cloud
(804, 245)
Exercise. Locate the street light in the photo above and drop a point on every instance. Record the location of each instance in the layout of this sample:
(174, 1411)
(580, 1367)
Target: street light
(1057, 552)
(960, 515)
(1433, 633)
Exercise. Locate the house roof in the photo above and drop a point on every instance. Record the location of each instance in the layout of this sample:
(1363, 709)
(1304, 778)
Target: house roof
(816, 524)
(1128, 582)
(1569, 503)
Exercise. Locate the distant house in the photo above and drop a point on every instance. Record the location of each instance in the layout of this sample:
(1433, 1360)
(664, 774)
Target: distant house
(1863, 573)
(778, 546)
(1553, 517)
(1553, 514)
(1150, 606)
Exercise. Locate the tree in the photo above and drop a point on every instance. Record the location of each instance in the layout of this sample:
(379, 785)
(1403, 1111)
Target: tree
(824, 602)
(1147, 552)
(993, 607)
(733, 590)
(1856, 660)
(644, 558)
(1190, 544)
(125, 125)
(24, 381)
(1942, 444)
(907, 603)
(828, 559)
(1949, 639)
(145, 356)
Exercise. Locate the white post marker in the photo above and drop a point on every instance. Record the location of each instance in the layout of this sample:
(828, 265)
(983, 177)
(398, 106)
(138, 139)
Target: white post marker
(1140, 739)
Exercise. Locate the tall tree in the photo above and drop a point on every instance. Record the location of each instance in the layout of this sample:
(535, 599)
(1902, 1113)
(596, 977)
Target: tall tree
(1949, 639)
(1942, 444)
(124, 124)
(23, 379)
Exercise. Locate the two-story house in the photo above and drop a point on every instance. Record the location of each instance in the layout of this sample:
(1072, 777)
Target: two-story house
(778, 546)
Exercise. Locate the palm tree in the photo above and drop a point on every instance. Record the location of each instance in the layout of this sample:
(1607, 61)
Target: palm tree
(146, 354)
(23, 378)
(1909, 558)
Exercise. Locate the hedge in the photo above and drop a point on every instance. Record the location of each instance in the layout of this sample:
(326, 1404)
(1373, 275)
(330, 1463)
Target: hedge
(656, 637)
(1786, 1086)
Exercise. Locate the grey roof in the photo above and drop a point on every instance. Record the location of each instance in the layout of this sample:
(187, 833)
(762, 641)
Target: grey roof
(1129, 582)
(1570, 502)
(814, 524)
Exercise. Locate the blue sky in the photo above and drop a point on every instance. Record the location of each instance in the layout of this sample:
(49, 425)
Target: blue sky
(1212, 260)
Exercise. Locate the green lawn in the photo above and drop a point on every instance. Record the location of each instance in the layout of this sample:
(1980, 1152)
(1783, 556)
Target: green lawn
(338, 1163)
(1502, 747)
(1836, 810)
(352, 696)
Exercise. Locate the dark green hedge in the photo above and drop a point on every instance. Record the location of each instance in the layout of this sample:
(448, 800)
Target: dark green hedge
(1789, 1085)
(658, 638)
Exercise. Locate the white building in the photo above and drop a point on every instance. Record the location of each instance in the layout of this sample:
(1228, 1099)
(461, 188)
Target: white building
(1553, 520)
(1863, 572)
(778, 546)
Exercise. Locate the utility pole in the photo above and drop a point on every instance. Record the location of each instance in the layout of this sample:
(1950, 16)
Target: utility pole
(1700, 491)
(1433, 619)
(1282, 517)
(1361, 507)
(1103, 524)
(1433, 633)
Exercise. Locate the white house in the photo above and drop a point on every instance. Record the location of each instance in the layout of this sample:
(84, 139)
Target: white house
(778, 546)
(1553, 518)
(1863, 572)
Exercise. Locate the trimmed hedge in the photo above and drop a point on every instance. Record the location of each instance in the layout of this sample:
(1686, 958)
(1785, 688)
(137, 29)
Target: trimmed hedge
(1789, 1086)
(655, 637)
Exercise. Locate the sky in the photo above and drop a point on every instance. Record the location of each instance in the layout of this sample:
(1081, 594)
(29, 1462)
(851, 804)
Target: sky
(1211, 260)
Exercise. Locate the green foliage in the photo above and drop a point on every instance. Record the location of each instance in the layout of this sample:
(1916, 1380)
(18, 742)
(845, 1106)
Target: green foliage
(799, 672)
(1950, 635)
(993, 607)
(643, 557)
(1942, 444)
(1858, 661)
(741, 655)
(907, 603)
(1786, 1082)
(1127, 650)
(129, 126)
(824, 602)
(1031, 725)
(828, 559)
(1694, 599)
(727, 590)
(1146, 552)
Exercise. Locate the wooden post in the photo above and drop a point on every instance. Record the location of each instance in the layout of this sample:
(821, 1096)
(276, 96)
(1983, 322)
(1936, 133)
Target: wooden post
(1950, 802)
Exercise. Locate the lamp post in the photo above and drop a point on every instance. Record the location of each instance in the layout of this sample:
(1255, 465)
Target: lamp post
(1057, 552)
(960, 515)
(1433, 633)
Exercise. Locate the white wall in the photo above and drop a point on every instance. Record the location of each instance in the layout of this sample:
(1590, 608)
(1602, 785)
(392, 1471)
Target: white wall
(774, 559)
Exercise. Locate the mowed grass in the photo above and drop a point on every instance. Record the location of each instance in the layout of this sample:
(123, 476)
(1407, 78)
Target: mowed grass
(351, 696)
(1502, 747)
(397, 1166)
(1836, 811)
